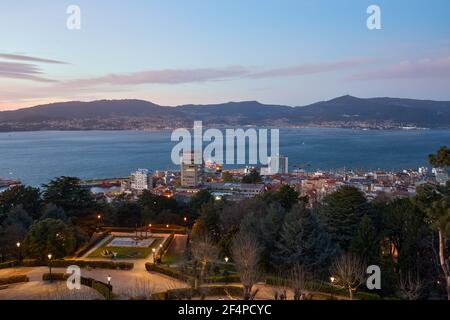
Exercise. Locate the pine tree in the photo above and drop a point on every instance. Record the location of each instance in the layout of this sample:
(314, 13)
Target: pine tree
(341, 212)
(303, 241)
(366, 242)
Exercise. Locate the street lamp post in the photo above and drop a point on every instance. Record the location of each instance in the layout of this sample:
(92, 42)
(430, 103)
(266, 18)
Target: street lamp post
(98, 222)
(226, 260)
(49, 256)
(18, 252)
(109, 288)
(154, 255)
(185, 224)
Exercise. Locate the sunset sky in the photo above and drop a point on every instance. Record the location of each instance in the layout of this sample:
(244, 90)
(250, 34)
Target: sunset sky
(203, 51)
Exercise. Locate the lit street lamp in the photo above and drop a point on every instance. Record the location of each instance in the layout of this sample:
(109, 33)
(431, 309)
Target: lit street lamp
(154, 256)
(18, 252)
(332, 279)
(49, 256)
(109, 288)
(98, 222)
(185, 224)
(226, 259)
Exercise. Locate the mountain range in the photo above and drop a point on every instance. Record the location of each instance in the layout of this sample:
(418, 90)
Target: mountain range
(346, 111)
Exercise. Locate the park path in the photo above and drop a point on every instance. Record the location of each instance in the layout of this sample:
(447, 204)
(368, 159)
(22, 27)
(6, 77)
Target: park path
(126, 283)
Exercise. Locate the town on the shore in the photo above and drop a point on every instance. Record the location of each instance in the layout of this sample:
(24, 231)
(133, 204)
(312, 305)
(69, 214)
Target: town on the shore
(251, 181)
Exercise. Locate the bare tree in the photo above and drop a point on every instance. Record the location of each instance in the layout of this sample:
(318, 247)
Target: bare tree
(300, 282)
(280, 286)
(246, 255)
(203, 251)
(410, 287)
(141, 290)
(348, 272)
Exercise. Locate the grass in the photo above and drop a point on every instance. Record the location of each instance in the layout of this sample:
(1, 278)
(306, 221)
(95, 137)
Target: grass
(126, 252)
(173, 258)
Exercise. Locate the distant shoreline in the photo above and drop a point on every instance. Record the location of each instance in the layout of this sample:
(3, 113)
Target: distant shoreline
(230, 127)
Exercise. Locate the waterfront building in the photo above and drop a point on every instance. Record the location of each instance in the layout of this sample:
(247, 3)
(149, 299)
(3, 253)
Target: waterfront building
(140, 180)
(276, 165)
(191, 170)
(235, 190)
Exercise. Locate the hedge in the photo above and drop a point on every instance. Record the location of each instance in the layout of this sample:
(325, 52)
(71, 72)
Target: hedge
(8, 264)
(188, 293)
(168, 272)
(223, 279)
(32, 263)
(93, 264)
(81, 263)
(104, 289)
(13, 279)
(162, 252)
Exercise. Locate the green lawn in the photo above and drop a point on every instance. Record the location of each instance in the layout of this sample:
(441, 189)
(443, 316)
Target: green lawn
(173, 257)
(126, 252)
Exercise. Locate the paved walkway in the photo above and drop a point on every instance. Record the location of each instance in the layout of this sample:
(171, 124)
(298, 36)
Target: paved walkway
(126, 283)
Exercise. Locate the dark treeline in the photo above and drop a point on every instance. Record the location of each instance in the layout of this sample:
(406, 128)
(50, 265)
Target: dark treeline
(62, 216)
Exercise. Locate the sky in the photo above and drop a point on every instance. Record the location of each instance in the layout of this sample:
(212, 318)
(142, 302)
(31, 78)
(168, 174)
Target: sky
(172, 52)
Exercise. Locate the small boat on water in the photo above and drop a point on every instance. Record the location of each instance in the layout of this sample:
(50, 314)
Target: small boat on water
(6, 183)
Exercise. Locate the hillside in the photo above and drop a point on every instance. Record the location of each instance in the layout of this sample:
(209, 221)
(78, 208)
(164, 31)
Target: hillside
(345, 111)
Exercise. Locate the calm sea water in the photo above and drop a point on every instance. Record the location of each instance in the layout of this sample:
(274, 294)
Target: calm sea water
(37, 157)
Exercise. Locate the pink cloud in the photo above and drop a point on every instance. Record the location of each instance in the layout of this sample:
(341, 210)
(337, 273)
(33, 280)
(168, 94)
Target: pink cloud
(168, 76)
(20, 57)
(425, 68)
(312, 68)
(13, 70)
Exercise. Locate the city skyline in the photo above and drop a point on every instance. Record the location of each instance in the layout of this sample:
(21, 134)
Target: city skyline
(174, 53)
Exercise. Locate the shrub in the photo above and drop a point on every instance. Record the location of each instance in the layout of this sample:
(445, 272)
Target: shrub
(93, 264)
(168, 272)
(31, 263)
(165, 246)
(101, 287)
(13, 279)
(8, 264)
(188, 293)
(55, 276)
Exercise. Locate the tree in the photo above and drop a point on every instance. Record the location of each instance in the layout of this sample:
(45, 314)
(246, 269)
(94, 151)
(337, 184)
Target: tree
(252, 177)
(303, 241)
(410, 287)
(261, 220)
(52, 211)
(203, 251)
(228, 177)
(341, 212)
(28, 197)
(441, 159)
(68, 194)
(435, 202)
(285, 196)
(49, 236)
(405, 227)
(127, 214)
(13, 230)
(300, 281)
(366, 242)
(246, 256)
(199, 199)
(208, 222)
(348, 272)
(155, 204)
